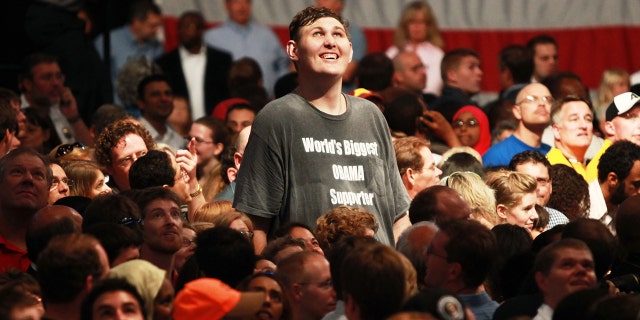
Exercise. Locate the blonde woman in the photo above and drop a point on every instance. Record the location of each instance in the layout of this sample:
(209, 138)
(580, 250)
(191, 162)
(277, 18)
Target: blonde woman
(88, 179)
(515, 197)
(613, 83)
(235, 220)
(477, 194)
(418, 32)
(208, 211)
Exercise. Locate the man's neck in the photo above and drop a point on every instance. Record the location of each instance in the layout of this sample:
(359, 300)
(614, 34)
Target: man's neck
(13, 227)
(67, 311)
(159, 125)
(161, 260)
(577, 154)
(327, 98)
(530, 136)
(606, 194)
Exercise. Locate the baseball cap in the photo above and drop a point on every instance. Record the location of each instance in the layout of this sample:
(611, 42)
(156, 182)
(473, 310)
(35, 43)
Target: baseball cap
(220, 110)
(366, 94)
(621, 104)
(439, 303)
(209, 298)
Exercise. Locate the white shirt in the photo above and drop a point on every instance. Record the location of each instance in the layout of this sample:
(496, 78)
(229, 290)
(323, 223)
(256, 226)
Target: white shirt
(544, 313)
(193, 67)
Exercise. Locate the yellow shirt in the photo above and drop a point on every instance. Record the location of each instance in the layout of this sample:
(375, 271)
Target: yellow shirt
(555, 156)
(592, 166)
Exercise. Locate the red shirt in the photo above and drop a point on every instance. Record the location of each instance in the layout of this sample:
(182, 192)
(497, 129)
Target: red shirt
(12, 257)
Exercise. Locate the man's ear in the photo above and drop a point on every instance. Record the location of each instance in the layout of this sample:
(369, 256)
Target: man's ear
(609, 128)
(218, 148)
(351, 308)
(556, 132)
(296, 291)
(292, 50)
(411, 178)
(540, 281)
(517, 112)
(612, 180)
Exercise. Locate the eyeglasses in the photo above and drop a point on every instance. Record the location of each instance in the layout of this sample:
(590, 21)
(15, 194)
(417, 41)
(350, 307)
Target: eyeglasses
(55, 182)
(51, 76)
(198, 140)
(537, 100)
(66, 148)
(247, 234)
(471, 123)
(129, 221)
(187, 243)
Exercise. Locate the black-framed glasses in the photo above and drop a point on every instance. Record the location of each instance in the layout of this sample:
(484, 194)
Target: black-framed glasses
(471, 123)
(55, 182)
(129, 221)
(66, 148)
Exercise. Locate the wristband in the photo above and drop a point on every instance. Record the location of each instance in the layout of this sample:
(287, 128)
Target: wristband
(197, 192)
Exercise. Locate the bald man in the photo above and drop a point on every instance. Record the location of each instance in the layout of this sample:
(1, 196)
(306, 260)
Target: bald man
(532, 111)
(438, 204)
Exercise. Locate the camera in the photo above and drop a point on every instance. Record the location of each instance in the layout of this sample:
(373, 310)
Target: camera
(626, 283)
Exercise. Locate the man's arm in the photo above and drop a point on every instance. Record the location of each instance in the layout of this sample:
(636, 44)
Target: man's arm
(399, 226)
(69, 109)
(261, 228)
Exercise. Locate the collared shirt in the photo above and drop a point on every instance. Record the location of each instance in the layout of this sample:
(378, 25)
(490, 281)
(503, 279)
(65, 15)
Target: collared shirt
(555, 156)
(124, 47)
(193, 68)
(555, 218)
(64, 130)
(171, 137)
(255, 41)
(12, 257)
(481, 305)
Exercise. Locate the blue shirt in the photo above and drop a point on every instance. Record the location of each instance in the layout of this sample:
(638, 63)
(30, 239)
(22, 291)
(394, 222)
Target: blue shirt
(254, 41)
(501, 153)
(480, 304)
(123, 47)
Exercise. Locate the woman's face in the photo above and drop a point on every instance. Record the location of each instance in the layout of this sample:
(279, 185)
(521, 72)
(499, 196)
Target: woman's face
(34, 136)
(467, 128)
(273, 305)
(163, 303)
(524, 213)
(99, 186)
(417, 28)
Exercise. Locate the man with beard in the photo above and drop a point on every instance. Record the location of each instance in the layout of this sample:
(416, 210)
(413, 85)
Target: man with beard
(24, 189)
(161, 224)
(619, 179)
(155, 101)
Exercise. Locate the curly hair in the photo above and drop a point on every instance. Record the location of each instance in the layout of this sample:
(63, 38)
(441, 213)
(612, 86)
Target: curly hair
(570, 192)
(114, 133)
(343, 221)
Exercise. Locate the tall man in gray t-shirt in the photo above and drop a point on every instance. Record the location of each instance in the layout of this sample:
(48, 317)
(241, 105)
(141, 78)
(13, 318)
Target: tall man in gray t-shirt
(316, 148)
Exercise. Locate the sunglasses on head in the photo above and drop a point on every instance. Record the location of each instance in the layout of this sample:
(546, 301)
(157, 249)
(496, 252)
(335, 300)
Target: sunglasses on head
(66, 148)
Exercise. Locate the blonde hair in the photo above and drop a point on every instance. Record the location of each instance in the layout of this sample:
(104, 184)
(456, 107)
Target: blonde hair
(225, 219)
(410, 277)
(605, 94)
(510, 186)
(401, 36)
(84, 174)
(480, 197)
(208, 211)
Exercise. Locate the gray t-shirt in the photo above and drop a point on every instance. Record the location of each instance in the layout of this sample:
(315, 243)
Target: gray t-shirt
(301, 162)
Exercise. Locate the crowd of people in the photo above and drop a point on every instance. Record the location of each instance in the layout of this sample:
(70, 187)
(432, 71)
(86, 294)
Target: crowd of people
(234, 178)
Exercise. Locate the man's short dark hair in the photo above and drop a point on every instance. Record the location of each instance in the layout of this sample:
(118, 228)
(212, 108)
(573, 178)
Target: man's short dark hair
(114, 238)
(473, 246)
(517, 59)
(619, 159)
(107, 114)
(540, 39)
(142, 85)
(308, 16)
(8, 121)
(597, 236)
(106, 286)
(451, 60)
(375, 71)
(144, 197)
(112, 208)
(373, 276)
(339, 252)
(219, 131)
(140, 10)
(65, 264)
(32, 60)
(224, 254)
(154, 169)
(529, 156)
(554, 83)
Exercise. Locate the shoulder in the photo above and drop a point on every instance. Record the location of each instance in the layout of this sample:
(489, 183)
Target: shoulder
(218, 54)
